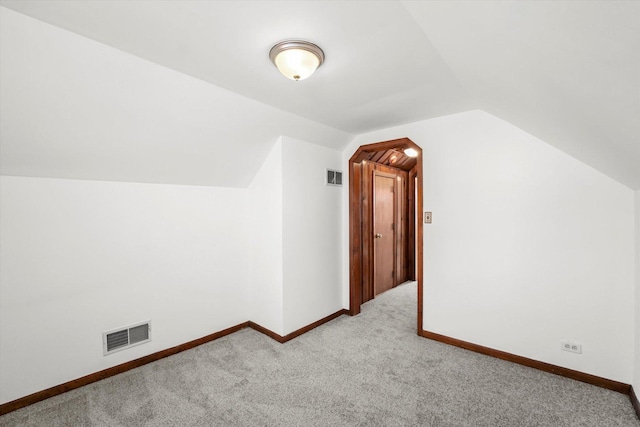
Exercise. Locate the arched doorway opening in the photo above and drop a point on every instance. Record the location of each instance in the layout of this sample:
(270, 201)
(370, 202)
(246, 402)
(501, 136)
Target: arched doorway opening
(385, 157)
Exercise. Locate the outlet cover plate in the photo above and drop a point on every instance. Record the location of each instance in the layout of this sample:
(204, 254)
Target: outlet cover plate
(570, 346)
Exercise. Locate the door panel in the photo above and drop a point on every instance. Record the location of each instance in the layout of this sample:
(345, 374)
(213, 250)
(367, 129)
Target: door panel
(384, 232)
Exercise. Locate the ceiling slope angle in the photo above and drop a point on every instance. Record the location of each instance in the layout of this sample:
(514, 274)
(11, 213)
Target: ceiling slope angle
(567, 72)
(564, 71)
(381, 69)
(75, 108)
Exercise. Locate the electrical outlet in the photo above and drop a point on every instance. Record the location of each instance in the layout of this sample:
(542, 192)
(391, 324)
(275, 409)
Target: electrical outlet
(571, 347)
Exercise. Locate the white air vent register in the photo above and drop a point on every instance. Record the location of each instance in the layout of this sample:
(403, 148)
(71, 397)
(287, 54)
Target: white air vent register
(334, 177)
(126, 337)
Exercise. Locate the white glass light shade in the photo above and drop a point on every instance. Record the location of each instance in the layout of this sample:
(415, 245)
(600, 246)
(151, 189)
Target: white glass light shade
(296, 59)
(297, 64)
(411, 152)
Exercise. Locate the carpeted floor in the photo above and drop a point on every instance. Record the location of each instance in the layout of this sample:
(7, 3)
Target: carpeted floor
(368, 370)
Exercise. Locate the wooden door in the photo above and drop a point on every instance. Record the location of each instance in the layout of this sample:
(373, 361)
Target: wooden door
(384, 210)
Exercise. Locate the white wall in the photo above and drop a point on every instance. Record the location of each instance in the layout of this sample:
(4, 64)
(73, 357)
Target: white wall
(90, 111)
(264, 221)
(528, 246)
(295, 237)
(82, 257)
(312, 230)
(636, 377)
(194, 260)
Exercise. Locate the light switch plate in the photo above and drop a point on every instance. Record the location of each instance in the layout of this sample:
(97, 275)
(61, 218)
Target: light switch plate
(427, 217)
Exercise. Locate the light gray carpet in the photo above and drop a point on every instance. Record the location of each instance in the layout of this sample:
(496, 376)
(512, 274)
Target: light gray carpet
(368, 370)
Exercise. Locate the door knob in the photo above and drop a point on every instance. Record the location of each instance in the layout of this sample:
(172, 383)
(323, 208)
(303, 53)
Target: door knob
(378, 235)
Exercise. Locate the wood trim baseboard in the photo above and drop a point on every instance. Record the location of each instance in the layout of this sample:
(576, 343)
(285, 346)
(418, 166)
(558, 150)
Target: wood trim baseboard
(5, 408)
(114, 370)
(543, 366)
(634, 401)
(267, 332)
(283, 339)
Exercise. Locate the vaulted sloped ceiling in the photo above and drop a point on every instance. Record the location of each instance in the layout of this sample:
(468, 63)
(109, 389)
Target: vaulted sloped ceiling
(566, 72)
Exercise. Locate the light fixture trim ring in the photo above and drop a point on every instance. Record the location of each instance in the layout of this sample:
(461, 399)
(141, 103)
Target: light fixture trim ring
(296, 44)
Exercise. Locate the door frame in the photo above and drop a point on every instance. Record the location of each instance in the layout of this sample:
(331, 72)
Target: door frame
(356, 218)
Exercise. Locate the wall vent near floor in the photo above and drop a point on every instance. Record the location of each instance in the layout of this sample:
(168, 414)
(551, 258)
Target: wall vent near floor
(334, 178)
(125, 337)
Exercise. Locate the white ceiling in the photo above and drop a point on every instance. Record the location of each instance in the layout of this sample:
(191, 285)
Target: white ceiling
(566, 72)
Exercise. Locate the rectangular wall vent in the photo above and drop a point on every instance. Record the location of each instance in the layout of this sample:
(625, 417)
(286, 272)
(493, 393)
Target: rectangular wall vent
(334, 177)
(125, 337)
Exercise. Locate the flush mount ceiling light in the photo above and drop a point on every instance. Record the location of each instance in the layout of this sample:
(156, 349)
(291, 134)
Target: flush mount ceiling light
(296, 59)
(411, 152)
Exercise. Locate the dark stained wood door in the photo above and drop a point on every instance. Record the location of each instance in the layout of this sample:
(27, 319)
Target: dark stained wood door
(384, 210)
